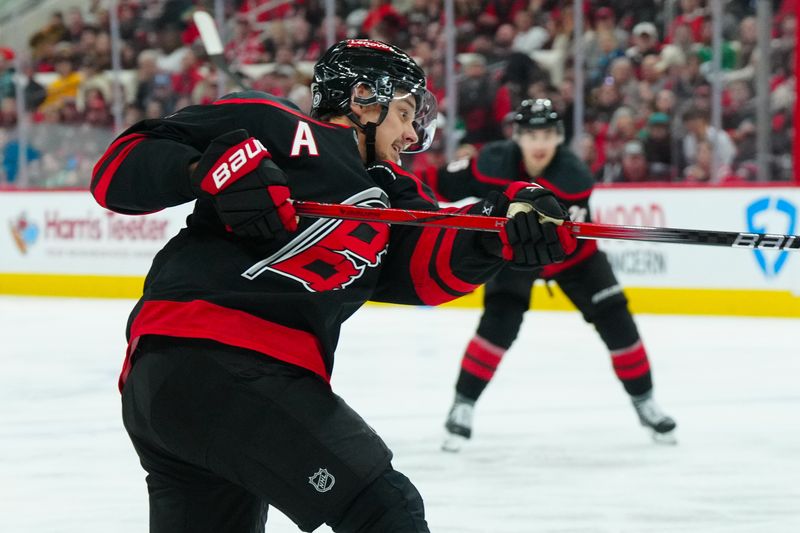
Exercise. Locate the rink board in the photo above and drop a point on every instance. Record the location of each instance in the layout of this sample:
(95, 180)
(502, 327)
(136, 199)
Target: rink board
(61, 243)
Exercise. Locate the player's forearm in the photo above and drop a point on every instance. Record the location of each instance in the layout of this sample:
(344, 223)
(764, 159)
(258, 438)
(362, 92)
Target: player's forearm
(433, 265)
(141, 175)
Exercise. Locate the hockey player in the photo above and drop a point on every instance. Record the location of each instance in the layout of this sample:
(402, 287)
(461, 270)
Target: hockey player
(225, 385)
(536, 154)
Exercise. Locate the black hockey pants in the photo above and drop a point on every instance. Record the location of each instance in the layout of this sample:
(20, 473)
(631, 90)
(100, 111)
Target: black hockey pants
(223, 433)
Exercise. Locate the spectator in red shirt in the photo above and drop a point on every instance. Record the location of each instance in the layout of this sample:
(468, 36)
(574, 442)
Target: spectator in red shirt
(245, 46)
(586, 149)
(497, 12)
(383, 21)
(692, 13)
(282, 10)
(605, 99)
(185, 80)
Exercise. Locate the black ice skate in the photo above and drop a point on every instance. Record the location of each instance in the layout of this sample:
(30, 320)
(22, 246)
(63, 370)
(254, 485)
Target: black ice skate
(458, 424)
(651, 416)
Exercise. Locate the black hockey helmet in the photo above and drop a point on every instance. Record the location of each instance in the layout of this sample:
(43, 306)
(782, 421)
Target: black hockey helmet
(384, 69)
(538, 114)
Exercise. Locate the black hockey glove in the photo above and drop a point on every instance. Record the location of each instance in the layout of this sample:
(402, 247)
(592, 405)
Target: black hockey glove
(249, 191)
(531, 238)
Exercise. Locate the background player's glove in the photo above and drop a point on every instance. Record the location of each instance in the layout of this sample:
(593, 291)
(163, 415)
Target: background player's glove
(532, 238)
(249, 191)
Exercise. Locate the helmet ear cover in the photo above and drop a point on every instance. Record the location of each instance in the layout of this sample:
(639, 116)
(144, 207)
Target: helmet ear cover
(381, 91)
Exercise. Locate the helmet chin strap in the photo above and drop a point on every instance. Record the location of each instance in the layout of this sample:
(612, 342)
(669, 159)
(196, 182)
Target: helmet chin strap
(370, 130)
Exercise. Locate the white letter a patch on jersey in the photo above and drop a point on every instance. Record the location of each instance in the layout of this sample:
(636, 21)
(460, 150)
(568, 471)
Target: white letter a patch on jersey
(304, 138)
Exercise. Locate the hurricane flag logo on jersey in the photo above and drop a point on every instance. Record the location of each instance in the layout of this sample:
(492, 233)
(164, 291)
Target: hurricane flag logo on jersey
(331, 253)
(323, 480)
(771, 210)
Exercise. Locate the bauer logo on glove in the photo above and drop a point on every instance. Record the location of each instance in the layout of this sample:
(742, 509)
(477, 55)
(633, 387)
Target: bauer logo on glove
(236, 162)
(249, 191)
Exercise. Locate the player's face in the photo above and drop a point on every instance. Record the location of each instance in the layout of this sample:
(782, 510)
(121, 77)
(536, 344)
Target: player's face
(396, 132)
(538, 147)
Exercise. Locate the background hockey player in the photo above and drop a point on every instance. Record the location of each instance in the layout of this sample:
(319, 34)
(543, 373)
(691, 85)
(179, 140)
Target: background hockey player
(536, 153)
(225, 387)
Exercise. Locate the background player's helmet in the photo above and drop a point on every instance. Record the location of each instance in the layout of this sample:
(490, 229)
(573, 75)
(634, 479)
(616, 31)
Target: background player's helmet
(538, 114)
(381, 67)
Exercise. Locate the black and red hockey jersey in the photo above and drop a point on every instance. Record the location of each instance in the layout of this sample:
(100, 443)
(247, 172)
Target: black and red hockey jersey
(500, 163)
(287, 298)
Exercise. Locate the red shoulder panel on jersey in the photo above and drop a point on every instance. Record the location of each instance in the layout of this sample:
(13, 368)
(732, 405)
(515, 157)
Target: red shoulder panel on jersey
(199, 319)
(420, 189)
(430, 176)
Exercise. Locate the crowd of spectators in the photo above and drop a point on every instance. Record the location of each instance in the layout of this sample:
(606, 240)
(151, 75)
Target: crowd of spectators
(647, 76)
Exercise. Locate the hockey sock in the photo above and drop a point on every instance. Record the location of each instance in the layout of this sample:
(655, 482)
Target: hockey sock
(633, 368)
(478, 366)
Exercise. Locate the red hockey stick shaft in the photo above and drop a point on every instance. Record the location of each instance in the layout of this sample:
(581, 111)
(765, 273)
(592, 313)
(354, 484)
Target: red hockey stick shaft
(581, 230)
(400, 216)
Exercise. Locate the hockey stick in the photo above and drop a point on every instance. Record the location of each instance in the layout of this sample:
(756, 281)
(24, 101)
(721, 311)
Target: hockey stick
(213, 45)
(581, 230)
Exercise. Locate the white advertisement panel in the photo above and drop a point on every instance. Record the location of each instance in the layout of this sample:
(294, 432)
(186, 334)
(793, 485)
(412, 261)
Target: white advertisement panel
(757, 210)
(66, 232)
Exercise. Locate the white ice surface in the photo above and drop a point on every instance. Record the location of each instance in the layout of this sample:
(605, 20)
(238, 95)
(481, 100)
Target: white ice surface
(557, 447)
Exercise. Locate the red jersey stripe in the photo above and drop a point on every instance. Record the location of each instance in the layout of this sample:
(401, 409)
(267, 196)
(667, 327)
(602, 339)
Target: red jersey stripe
(429, 292)
(444, 269)
(484, 178)
(431, 179)
(101, 189)
(110, 150)
(574, 196)
(199, 319)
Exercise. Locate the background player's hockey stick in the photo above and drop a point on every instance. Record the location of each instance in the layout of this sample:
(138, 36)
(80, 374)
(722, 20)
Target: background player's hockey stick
(581, 230)
(213, 45)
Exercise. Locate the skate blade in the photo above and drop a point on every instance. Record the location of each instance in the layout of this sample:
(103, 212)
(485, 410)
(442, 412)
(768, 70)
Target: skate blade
(668, 438)
(453, 443)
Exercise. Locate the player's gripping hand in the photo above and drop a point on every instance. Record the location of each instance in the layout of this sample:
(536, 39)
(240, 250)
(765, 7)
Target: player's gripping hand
(532, 237)
(249, 191)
